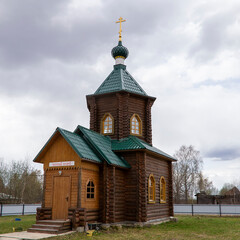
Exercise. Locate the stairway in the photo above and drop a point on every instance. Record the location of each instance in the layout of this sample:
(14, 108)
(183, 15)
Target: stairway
(51, 226)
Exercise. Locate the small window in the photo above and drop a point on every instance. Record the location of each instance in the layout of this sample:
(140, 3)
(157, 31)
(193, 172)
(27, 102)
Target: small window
(107, 124)
(90, 190)
(136, 125)
(151, 189)
(162, 190)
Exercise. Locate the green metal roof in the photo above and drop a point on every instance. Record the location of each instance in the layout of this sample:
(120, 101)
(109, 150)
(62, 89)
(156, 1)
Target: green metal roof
(118, 80)
(134, 143)
(103, 146)
(93, 146)
(79, 145)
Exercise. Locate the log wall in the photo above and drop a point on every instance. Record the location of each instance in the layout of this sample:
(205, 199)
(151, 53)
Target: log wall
(44, 214)
(121, 106)
(120, 195)
(159, 167)
(135, 192)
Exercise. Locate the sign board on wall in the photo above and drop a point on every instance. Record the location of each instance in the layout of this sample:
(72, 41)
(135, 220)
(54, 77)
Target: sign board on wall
(61, 164)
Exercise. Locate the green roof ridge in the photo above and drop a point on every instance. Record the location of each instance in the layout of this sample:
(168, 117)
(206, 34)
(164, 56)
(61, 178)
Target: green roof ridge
(113, 158)
(125, 144)
(92, 156)
(92, 143)
(45, 145)
(75, 141)
(136, 83)
(69, 142)
(137, 140)
(122, 82)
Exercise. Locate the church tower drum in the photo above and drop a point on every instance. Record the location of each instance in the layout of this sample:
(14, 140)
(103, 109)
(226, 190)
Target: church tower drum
(120, 107)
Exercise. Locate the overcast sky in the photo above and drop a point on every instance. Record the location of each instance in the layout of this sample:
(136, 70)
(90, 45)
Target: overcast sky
(185, 53)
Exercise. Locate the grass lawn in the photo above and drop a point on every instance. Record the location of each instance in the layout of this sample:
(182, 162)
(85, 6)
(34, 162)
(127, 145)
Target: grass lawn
(8, 222)
(187, 227)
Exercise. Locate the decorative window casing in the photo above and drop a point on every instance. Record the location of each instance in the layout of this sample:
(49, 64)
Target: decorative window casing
(162, 190)
(151, 189)
(135, 125)
(90, 190)
(107, 124)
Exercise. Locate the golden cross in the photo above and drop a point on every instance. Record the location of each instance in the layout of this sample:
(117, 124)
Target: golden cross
(120, 31)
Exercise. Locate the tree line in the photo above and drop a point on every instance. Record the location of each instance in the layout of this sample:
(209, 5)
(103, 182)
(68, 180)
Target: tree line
(188, 178)
(20, 182)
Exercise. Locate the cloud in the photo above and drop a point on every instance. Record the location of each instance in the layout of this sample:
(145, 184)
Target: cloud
(218, 31)
(224, 154)
(53, 53)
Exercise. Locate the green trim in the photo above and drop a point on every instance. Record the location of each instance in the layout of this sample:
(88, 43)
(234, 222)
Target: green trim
(76, 140)
(93, 144)
(101, 142)
(120, 79)
(134, 143)
(69, 142)
(34, 160)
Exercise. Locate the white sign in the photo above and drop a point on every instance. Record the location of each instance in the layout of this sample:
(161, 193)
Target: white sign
(61, 164)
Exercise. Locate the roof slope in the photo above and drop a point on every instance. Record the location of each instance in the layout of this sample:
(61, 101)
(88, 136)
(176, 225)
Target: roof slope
(134, 143)
(103, 146)
(95, 147)
(118, 80)
(80, 145)
(76, 141)
(232, 191)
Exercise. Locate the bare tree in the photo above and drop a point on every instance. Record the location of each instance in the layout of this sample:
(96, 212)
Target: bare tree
(203, 184)
(2, 176)
(185, 173)
(22, 182)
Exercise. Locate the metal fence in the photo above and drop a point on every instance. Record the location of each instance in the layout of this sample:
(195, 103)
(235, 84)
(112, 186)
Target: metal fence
(207, 209)
(189, 209)
(18, 209)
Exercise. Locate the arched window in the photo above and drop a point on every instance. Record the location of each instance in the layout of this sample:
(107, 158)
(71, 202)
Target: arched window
(151, 189)
(162, 190)
(135, 125)
(90, 190)
(107, 124)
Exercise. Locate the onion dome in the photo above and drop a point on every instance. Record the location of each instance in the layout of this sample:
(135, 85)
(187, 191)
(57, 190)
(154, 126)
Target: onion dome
(120, 51)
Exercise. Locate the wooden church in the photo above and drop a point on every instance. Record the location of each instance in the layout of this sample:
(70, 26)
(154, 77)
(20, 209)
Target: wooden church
(111, 172)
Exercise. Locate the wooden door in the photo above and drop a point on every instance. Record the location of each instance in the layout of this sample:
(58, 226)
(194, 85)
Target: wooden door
(61, 197)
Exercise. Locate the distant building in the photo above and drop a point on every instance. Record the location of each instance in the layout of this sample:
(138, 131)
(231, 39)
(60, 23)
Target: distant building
(230, 197)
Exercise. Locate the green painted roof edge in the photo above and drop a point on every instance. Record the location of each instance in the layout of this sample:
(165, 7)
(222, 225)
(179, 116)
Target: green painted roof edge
(136, 83)
(123, 90)
(69, 142)
(122, 83)
(141, 146)
(160, 153)
(96, 92)
(74, 148)
(60, 130)
(122, 159)
(45, 145)
(82, 129)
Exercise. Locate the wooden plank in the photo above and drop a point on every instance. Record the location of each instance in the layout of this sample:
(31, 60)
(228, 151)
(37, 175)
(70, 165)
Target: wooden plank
(61, 197)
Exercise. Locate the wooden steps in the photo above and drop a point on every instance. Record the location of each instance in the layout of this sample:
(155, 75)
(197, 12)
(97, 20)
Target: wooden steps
(51, 226)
